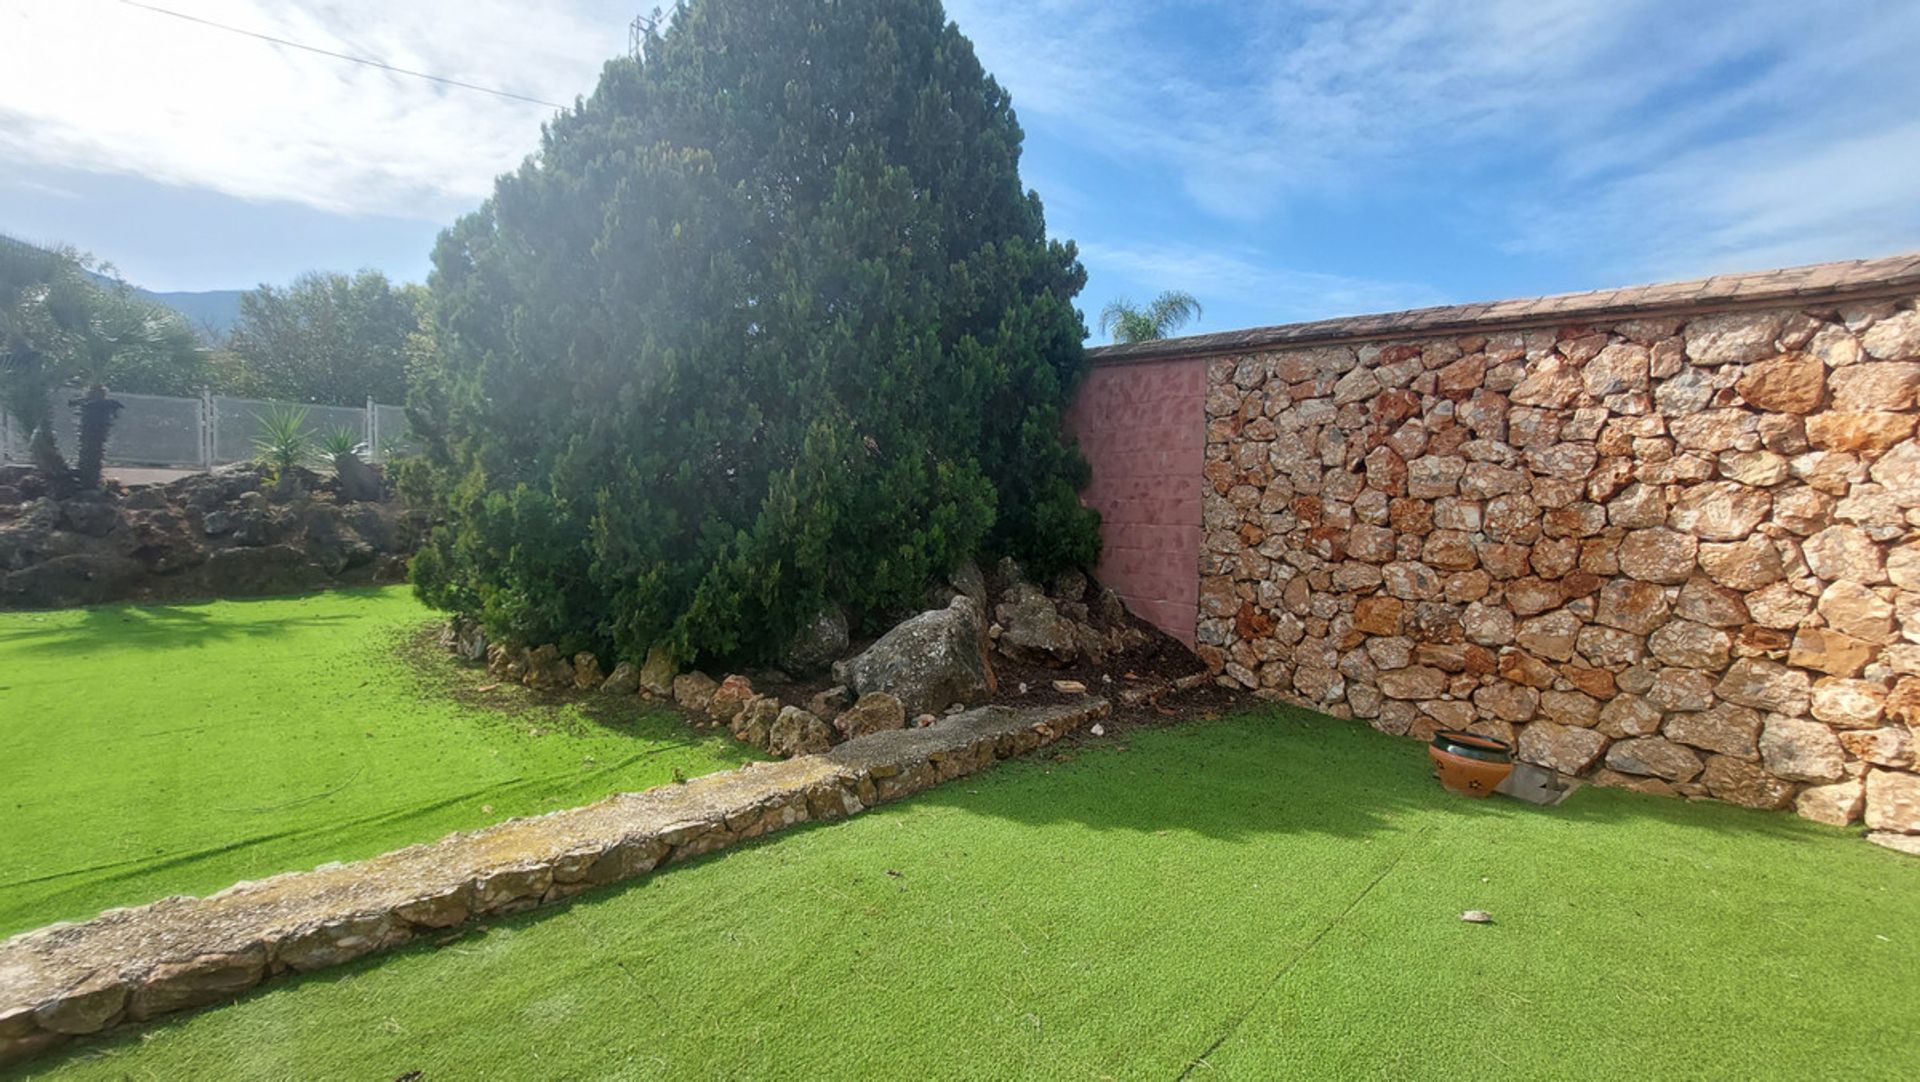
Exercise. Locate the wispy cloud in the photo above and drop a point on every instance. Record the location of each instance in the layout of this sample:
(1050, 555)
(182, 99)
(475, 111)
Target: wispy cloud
(104, 87)
(1653, 134)
(1764, 201)
(1630, 139)
(1243, 276)
(24, 184)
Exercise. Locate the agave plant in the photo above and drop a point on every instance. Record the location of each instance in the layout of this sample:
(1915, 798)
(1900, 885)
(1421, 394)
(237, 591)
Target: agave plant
(342, 449)
(283, 443)
(339, 443)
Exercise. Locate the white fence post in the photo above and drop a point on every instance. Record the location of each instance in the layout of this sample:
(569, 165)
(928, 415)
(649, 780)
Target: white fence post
(373, 431)
(206, 428)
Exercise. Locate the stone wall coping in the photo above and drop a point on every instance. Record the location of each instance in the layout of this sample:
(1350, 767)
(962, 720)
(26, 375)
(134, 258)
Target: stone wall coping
(1856, 279)
(179, 953)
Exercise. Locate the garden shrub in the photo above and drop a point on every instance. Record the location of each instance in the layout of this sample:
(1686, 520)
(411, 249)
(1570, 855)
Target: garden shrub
(768, 321)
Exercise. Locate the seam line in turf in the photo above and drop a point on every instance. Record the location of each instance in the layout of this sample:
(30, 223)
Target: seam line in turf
(1299, 956)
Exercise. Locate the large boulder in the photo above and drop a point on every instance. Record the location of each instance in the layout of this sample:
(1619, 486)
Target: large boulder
(967, 579)
(547, 670)
(163, 541)
(378, 527)
(261, 572)
(875, 712)
(587, 675)
(358, 482)
(333, 544)
(797, 732)
(66, 581)
(658, 673)
(734, 692)
(251, 520)
(694, 691)
(928, 662)
(205, 491)
(623, 680)
(34, 535)
(1893, 801)
(90, 513)
(819, 644)
(1032, 631)
(753, 722)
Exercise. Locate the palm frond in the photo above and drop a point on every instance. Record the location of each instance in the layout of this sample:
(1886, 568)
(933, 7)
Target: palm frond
(1172, 309)
(1116, 314)
(1130, 323)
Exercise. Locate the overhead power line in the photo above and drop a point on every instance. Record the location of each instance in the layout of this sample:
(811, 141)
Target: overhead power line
(367, 61)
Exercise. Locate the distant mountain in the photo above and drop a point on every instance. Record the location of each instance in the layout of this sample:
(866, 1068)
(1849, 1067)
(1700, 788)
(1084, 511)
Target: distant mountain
(211, 313)
(212, 310)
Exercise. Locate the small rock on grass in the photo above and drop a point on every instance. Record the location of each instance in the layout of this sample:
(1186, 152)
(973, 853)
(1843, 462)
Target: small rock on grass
(1477, 916)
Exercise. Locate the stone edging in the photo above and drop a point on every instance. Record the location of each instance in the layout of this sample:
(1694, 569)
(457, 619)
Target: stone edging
(179, 953)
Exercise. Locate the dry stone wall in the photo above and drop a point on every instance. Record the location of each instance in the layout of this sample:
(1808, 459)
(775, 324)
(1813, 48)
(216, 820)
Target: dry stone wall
(1679, 553)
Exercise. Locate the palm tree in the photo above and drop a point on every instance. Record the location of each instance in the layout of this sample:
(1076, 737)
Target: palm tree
(1130, 323)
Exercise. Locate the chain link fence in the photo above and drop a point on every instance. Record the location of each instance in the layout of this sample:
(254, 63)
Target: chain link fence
(212, 430)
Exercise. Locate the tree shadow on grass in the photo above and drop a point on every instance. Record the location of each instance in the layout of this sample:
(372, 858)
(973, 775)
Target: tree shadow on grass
(443, 678)
(1280, 770)
(1267, 772)
(171, 625)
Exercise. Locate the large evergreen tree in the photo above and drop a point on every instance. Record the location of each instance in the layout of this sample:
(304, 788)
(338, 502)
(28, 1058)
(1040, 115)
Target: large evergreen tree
(768, 321)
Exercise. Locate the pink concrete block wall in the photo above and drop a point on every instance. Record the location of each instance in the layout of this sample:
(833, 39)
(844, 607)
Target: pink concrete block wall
(1143, 428)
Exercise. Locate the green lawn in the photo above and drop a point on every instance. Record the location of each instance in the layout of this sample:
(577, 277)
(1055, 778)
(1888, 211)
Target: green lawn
(155, 750)
(1270, 896)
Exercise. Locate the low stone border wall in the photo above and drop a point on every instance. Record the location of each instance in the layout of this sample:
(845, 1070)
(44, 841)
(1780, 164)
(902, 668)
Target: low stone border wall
(179, 953)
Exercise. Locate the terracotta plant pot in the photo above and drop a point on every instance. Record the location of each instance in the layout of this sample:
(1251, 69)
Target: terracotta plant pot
(1468, 764)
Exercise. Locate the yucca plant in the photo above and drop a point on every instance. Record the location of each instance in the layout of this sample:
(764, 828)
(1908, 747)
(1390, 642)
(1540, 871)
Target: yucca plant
(342, 449)
(283, 443)
(339, 443)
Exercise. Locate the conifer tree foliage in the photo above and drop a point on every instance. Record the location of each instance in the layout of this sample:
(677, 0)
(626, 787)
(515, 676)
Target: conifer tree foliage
(768, 321)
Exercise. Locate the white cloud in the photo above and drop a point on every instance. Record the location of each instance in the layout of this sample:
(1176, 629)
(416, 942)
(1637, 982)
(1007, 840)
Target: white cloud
(1750, 204)
(100, 86)
(1637, 138)
(1769, 130)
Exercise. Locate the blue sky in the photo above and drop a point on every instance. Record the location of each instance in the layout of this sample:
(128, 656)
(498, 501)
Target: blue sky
(1282, 161)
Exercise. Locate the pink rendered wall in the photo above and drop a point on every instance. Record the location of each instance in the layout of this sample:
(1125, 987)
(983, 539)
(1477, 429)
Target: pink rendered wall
(1143, 428)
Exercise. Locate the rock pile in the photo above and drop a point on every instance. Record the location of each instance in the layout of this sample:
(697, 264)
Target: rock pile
(219, 534)
(931, 664)
(1676, 554)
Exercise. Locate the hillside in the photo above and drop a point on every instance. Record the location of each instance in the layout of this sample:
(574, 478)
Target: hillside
(210, 311)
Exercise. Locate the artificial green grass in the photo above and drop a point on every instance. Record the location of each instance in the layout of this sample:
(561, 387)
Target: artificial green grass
(1268, 896)
(155, 750)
